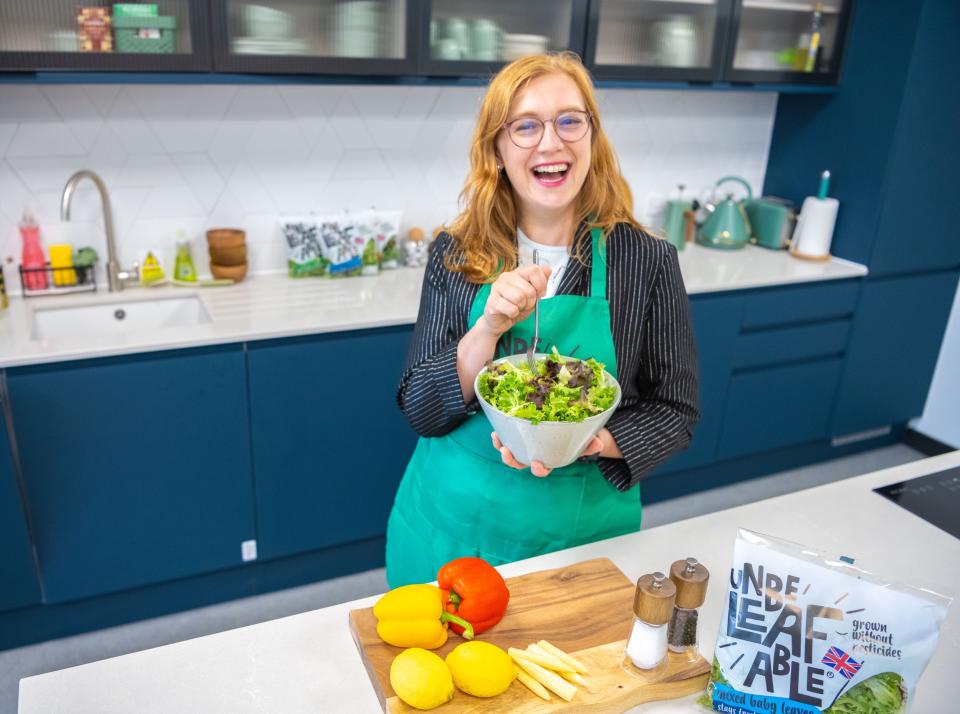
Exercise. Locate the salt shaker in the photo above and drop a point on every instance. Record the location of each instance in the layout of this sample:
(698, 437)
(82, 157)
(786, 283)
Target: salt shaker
(690, 578)
(652, 607)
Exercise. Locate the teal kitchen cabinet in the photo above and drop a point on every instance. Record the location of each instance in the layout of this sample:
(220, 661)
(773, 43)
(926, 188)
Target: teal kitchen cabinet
(916, 230)
(778, 406)
(329, 443)
(137, 469)
(786, 367)
(769, 365)
(716, 327)
(19, 586)
(888, 138)
(893, 351)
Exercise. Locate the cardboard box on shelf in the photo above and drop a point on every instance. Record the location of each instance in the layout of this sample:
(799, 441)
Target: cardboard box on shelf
(94, 25)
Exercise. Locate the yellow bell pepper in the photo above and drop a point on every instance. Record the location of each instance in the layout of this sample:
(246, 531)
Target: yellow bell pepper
(413, 616)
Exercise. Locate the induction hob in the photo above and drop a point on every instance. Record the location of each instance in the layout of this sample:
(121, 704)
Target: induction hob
(935, 498)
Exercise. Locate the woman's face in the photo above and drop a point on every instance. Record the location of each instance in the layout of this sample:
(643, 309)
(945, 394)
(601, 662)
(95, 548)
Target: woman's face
(537, 184)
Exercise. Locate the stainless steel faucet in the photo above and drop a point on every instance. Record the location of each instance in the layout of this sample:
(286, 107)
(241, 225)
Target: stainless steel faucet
(117, 277)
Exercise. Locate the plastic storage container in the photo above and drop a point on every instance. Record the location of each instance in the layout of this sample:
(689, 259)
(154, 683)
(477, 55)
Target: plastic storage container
(145, 35)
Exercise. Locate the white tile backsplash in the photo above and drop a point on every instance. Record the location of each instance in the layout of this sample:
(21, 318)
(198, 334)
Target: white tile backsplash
(73, 102)
(184, 135)
(44, 139)
(197, 156)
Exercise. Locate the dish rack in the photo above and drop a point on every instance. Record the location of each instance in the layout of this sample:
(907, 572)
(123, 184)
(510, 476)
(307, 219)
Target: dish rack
(58, 281)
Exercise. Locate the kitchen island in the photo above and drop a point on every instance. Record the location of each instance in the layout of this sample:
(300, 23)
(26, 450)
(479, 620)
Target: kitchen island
(308, 662)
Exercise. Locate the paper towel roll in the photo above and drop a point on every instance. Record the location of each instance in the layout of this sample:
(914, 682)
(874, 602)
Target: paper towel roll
(814, 231)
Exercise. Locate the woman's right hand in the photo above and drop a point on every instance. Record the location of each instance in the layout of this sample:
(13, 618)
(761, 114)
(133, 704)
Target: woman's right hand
(513, 296)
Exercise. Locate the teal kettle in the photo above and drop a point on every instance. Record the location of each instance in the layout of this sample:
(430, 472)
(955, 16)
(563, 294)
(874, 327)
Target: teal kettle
(727, 226)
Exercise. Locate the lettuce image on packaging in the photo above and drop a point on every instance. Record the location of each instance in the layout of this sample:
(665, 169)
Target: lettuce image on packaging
(558, 389)
(883, 693)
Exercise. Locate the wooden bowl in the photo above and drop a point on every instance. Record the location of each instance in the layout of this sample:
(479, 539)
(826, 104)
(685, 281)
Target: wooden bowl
(228, 255)
(226, 237)
(234, 272)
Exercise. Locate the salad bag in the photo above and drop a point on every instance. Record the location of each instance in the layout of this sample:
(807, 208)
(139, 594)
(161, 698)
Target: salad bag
(806, 633)
(341, 244)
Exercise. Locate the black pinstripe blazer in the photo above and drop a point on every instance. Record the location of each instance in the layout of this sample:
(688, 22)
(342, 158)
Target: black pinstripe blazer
(653, 341)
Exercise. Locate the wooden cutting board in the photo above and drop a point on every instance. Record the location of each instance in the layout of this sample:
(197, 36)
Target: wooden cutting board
(585, 609)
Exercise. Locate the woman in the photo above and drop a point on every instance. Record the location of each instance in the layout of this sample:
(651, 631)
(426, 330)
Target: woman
(543, 176)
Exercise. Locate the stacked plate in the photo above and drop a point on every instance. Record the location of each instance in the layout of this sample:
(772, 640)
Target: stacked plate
(517, 46)
(356, 28)
(262, 46)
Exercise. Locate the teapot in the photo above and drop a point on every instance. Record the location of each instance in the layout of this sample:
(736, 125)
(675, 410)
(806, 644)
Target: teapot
(726, 225)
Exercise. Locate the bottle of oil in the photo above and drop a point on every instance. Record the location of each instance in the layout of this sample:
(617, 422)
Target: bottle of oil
(813, 54)
(4, 302)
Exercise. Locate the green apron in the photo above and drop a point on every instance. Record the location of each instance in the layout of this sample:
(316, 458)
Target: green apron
(458, 499)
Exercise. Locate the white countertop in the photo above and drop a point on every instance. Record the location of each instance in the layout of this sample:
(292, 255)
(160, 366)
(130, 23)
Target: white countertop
(308, 663)
(272, 306)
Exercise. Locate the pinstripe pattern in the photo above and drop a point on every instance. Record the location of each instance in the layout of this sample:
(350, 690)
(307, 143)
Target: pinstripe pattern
(653, 340)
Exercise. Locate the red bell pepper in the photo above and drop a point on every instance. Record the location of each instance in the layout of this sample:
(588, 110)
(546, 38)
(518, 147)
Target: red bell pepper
(474, 590)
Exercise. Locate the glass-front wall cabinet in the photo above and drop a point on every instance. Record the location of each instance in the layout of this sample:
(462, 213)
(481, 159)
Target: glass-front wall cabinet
(663, 37)
(465, 35)
(315, 36)
(795, 39)
(357, 29)
(87, 34)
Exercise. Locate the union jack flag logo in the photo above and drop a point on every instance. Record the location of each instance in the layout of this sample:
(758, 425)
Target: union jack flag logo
(846, 665)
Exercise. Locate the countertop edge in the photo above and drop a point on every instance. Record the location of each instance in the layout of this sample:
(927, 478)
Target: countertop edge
(400, 300)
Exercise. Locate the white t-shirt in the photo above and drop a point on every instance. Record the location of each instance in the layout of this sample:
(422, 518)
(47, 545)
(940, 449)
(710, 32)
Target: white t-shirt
(556, 256)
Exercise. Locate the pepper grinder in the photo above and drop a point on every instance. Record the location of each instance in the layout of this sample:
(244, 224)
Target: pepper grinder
(652, 607)
(690, 578)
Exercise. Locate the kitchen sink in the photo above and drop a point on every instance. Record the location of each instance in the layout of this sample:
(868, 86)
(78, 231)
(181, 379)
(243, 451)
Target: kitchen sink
(117, 318)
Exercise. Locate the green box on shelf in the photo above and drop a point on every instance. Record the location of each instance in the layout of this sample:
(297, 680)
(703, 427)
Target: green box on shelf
(129, 9)
(128, 34)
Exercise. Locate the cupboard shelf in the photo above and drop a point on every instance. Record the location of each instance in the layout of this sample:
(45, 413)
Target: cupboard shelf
(662, 43)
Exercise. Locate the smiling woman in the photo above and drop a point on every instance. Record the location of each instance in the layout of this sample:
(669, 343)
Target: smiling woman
(543, 177)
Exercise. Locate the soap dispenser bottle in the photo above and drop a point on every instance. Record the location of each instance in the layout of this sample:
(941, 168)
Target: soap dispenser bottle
(184, 269)
(32, 260)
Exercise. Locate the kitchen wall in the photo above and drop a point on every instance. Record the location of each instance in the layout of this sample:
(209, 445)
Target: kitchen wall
(197, 156)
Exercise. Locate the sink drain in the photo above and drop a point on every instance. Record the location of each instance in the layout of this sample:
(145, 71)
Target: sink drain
(120, 314)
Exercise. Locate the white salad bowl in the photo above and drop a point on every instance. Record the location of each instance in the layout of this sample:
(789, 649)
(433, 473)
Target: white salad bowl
(553, 443)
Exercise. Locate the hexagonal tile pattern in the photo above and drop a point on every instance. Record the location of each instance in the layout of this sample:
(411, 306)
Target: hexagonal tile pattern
(196, 156)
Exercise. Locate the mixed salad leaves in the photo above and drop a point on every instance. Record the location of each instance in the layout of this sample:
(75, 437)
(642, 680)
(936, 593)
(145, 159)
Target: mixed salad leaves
(557, 389)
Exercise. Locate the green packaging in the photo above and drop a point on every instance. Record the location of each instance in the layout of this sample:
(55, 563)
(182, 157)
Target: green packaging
(129, 9)
(145, 35)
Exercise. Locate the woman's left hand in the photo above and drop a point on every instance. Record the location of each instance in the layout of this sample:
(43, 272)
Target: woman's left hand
(537, 468)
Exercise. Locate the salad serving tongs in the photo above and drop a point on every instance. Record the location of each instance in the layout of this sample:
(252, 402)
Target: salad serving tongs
(536, 323)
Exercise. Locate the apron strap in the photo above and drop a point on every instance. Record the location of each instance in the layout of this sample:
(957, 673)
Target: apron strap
(598, 264)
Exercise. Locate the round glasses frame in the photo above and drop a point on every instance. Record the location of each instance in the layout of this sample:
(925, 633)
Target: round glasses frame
(587, 125)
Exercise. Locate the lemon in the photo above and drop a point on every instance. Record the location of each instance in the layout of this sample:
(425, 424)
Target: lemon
(421, 679)
(481, 669)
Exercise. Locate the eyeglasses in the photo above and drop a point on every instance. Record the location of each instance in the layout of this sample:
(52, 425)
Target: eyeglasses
(527, 132)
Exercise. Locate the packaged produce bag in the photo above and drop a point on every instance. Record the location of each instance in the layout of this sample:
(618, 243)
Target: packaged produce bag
(342, 248)
(806, 633)
(362, 226)
(304, 250)
(342, 244)
(387, 232)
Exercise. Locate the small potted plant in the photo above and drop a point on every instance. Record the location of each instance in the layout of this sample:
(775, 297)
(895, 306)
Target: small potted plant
(84, 261)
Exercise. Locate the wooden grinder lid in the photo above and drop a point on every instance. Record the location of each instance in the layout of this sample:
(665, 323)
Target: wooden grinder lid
(690, 577)
(653, 601)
